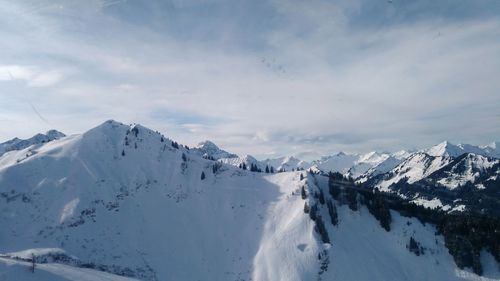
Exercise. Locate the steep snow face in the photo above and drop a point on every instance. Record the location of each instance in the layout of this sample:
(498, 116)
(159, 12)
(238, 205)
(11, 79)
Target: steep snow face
(18, 144)
(418, 166)
(209, 149)
(446, 149)
(383, 167)
(464, 170)
(340, 162)
(123, 198)
(366, 162)
(402, 154)
(362, 250)
(373, 157)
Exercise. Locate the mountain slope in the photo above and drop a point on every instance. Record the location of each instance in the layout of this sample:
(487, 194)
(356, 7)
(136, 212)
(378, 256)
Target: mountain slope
(467, 168)
(129, 201)
(114, 186)
(416, 167)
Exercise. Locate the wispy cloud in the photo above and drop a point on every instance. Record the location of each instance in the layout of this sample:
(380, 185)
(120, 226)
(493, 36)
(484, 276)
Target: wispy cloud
(276, 77)
(33, 76)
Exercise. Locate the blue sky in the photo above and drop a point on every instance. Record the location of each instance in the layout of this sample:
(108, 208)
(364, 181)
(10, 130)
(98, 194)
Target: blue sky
(261, 77)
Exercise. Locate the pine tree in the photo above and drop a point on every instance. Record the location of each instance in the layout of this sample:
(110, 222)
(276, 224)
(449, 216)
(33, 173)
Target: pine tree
(184, 158)
(267, 169)
(321, 229)
(303, 193)
(321, 197)
(272, 170)
(301, 176)
(202, 175)
(313, 212)
(332, 210)
(306, 208)
(253, 167)
(123, 152)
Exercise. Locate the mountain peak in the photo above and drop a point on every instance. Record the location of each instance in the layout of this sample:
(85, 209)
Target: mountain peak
(445, 148)
(54, 134)
(209, 149)
(207, 144)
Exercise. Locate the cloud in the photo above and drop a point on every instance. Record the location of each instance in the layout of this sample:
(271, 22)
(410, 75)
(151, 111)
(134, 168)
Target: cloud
(33, 76)
(279, 77)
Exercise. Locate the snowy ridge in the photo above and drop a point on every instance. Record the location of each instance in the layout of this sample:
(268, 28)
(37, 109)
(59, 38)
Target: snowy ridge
(125, 200)
(416, 167)
(18, 144)
(287, 163)
(100, 195)
(463, 170)
(248, 160)
(451, 150)
(340, 162)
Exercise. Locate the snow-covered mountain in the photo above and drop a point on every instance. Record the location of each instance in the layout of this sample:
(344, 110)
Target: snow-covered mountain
(448, 173)
(419, 165)
(467, 169)
(128, 201)
(18, 144)
(416, 167)
(379, 168)
(287, 163)
(451, 150)
(208, 149)
(340, 162)
(247, 160)
(360, 166)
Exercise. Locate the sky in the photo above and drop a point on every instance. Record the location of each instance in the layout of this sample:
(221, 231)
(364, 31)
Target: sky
(266, 78)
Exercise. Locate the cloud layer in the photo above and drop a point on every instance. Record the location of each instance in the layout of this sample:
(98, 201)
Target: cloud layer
(266, 78)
